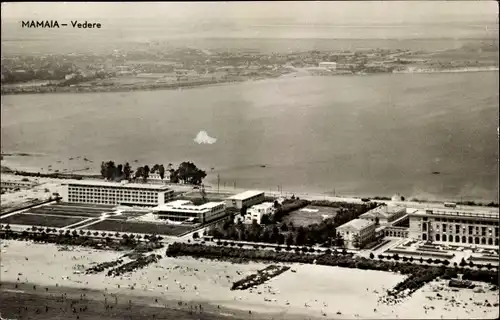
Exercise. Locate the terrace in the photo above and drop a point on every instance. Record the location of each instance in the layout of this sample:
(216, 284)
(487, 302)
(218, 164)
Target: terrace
(139, 227)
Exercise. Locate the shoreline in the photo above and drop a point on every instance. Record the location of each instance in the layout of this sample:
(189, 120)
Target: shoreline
(146, 302)
(122, 89)
(80, 174)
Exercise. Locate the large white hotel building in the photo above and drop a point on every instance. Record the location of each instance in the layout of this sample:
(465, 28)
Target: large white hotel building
(113, 193)
(455, 226)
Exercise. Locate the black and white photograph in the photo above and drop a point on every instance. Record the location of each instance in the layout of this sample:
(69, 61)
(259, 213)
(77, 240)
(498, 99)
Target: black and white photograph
(265, 160)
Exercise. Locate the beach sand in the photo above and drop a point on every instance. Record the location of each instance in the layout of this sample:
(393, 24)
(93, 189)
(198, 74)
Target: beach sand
(310, 292)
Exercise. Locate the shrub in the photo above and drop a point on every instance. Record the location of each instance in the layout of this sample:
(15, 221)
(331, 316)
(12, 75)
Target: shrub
(372, 255)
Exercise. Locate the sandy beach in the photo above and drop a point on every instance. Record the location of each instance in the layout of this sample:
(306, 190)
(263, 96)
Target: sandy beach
(309, 292)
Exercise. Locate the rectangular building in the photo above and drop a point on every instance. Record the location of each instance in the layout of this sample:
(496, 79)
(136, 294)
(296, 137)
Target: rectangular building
(101, 192)
(16, 185)
(328, 65)
(384, 214)
(247, 199)
(256, 212)
(455, 226)
(184, 210)
(357, 230)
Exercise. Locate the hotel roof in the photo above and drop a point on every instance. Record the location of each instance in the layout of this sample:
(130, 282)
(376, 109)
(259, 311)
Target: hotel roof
(97, 183)
(383, 212)
(457, 213)
(185, 205)
(356, 224)
(246, 195)
(263, 205)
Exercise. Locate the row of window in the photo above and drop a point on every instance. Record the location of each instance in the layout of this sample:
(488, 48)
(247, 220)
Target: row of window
(112, 194)
(464, 221)
(473, 230)
(106, 200)
(110, 188)
(97, 191)
(463, 239)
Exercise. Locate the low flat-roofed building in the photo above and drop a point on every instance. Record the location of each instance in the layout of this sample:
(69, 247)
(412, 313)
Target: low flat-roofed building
(117, 193)
(328, 65)
(247, 199)
(256, 212)
(384, 214)
(463, 227)
(184, 210)
(15, 185)
(357, 230)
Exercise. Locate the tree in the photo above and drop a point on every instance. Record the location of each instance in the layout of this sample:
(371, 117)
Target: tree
(104, 170)
(265, 219)
(377, 221)
(462, 262)
(372, 255)
(110, 170)
(196, 235)
(146, 173)
(189, 173)
(339, 240)
(119, 171)
(289, 240)
(301, 236)
(161, 171)
(155, 168)
(127, 171)
(139, 172)
(243, 210)
(356, 242)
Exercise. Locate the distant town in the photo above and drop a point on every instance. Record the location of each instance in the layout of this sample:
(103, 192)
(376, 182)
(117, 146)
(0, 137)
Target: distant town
(157, 66)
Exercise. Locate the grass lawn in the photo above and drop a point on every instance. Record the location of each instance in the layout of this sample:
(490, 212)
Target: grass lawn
(305, 217)
(40, 220)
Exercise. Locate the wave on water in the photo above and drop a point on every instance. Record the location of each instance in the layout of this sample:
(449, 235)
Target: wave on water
(203, 138)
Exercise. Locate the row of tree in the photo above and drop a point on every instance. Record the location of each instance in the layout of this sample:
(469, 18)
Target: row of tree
(113, 172)
(187, 172)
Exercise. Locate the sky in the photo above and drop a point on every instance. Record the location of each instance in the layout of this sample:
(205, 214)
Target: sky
(313, 12)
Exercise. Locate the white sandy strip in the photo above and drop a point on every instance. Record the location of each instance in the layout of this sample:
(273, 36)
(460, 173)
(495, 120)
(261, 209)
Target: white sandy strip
(311, 290)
